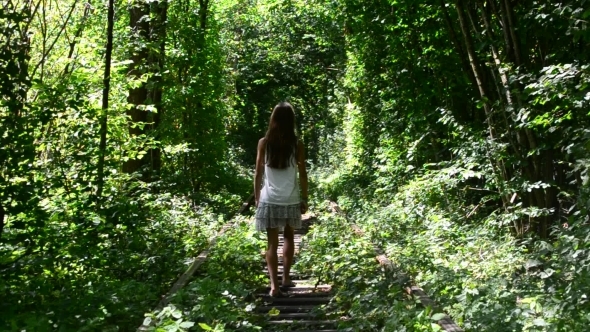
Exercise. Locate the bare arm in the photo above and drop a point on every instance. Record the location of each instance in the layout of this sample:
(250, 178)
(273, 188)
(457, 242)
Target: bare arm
(302, 175)
(259, 169)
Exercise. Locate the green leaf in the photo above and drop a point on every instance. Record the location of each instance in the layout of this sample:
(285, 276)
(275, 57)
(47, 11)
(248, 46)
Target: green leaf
(547, 273)
(186, 325)
(205, 327)
(147, 321)
(540, 322)
(176, 314)
(274, 312)
(438, 316)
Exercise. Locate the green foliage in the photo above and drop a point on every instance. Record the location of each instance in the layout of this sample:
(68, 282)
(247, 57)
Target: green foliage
(466, 259)
(455, 133)
(370, 298)
(281, 50)
(219, 298)
(193, 132)
(168, 319)
(66, 264)
(19, 188)
(113, 268)
(454, 176)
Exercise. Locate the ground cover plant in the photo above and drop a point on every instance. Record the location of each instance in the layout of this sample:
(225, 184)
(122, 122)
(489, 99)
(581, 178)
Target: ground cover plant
(219, 298)
(484, 279)
(107, 280)
(366, 297)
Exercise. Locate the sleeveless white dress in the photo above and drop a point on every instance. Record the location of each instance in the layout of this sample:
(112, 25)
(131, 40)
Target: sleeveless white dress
(279, 202)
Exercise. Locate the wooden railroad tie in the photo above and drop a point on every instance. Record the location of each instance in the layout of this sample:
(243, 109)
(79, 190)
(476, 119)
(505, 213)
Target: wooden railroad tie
(197, 262)
(301, 308)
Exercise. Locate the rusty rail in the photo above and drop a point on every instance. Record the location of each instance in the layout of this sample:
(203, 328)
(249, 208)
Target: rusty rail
(197, 262)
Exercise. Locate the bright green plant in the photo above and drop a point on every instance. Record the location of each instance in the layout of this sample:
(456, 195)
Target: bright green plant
(371, 298)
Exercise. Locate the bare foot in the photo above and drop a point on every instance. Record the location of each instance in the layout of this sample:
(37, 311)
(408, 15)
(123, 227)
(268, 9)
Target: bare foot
(287, 283)
(276, 293)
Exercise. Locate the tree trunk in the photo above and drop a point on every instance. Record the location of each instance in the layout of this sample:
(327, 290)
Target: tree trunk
(503, 23)
(203, 8)
(463, 57)
(2, 213)
(507, 6)
(157, 61)
(139, 18)
(475, 66)
(534, 167)
(105, 103)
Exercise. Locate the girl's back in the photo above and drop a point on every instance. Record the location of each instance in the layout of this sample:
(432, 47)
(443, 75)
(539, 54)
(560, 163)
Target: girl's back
(280, 158)
(280, 185)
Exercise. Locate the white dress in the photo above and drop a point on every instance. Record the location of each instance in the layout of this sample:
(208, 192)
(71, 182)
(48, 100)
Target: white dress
(279, 202)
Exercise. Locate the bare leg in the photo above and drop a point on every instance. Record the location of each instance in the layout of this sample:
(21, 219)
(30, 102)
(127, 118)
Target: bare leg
(288, 251)
(272, 260)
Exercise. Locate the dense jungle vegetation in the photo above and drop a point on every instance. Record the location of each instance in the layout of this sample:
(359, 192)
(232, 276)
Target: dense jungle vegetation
(456, 133)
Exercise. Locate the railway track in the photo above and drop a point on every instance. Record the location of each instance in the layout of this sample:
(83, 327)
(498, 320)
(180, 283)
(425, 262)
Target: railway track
(302, 309)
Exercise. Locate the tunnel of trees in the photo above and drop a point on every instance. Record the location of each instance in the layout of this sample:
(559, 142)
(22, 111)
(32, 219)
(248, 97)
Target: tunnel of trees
(456, 132)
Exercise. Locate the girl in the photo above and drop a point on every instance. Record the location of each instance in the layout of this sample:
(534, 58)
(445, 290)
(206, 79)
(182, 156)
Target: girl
(278, 203)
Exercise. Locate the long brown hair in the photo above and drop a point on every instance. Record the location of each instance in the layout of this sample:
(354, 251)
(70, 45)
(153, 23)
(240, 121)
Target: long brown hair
(281, 140)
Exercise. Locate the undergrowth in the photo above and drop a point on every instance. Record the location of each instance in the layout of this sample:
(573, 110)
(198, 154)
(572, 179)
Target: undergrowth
(464, 255)
(97, 273)
(219, 298)
(366, 297)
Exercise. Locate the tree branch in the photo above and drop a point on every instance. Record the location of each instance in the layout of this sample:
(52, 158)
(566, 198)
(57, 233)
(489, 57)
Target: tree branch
(77, 35)
(48, 50)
